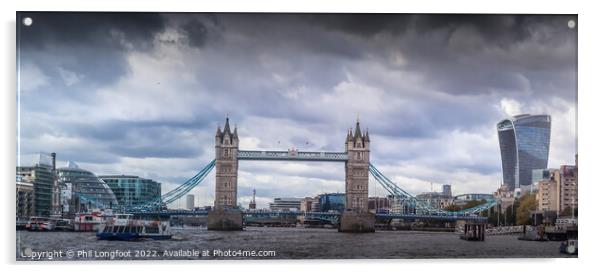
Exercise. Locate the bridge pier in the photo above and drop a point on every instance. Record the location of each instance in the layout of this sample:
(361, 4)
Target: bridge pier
(357, 222)
(225, 220)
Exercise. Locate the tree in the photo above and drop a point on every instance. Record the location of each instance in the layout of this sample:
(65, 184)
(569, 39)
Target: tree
(473, 203)
(568, 211)
(526, 204)
(453, 207)
(510, 214)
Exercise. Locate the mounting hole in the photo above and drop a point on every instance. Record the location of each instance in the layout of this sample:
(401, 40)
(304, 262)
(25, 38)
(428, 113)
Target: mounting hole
(571, 23)
(27, 21)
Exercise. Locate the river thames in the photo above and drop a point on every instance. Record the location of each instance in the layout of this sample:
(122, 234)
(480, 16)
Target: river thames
(278, 243)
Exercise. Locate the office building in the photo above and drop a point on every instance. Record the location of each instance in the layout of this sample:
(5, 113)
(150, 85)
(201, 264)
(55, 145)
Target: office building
(190, 202)
(568, 188)
(548, 192)
(131, 190)
(524, 147)
(307, 203)
(42, 177)
(447, 190)
(437, 200)
(331, 202)
(560, 191)
(24, 198)
(463, 199)
(286, 204)
(505, 197)
(540, 174)
(83, 191)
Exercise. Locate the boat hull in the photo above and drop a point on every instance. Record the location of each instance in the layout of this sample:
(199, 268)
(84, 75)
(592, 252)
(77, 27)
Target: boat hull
(39, 227)
(126, 236)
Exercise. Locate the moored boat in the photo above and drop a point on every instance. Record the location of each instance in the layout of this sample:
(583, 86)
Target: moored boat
(124, 228)
(40, 224)
(88, 221)
(64, 225)
(21, 224)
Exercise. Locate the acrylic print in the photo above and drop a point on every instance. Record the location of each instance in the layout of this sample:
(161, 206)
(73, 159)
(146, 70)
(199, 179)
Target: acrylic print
(166, 136)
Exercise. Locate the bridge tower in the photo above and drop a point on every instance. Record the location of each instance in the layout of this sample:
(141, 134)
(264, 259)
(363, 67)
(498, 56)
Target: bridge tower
(356, 217)
(225, 214)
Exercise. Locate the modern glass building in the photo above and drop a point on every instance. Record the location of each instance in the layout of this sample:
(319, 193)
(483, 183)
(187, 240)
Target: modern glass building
(132, 190)
(524, 146)
(42, 178)
(540, 174)
(39, 176)
(83, 191)
(39, 172)
(331, 202)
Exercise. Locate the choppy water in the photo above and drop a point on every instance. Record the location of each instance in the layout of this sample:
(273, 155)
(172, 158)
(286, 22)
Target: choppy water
(286, 243)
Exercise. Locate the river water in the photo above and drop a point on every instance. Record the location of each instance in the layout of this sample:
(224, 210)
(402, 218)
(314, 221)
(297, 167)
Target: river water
(278, 243)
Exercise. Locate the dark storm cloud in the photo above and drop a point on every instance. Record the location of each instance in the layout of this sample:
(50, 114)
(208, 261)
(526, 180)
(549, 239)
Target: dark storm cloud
(462, 52)
(92, 44)
(90, 29)
(501, 30)
(428, 87)
(200, 29)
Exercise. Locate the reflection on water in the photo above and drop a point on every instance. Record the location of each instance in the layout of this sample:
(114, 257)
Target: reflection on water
(287, 243)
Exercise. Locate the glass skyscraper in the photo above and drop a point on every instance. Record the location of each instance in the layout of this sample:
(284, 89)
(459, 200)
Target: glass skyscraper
(524, 146)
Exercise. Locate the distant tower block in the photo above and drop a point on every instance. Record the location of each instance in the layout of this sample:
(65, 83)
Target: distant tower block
(225, 215)
(356, 217)
(252, 204)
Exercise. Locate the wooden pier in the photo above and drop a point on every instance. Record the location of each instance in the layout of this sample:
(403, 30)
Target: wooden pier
(473, 231)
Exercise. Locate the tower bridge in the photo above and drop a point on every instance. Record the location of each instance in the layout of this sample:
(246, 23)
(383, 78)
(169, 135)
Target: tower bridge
(356, 156)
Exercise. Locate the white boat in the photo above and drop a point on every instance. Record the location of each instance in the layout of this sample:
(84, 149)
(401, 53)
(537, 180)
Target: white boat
(88, 221)
(124, 227)
(40, 224)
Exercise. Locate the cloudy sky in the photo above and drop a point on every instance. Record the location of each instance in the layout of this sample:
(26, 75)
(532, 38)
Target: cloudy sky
(143, 93)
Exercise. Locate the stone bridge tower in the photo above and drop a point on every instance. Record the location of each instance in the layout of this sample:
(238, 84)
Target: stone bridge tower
(226, 167)
(356, 217)
(225, 214)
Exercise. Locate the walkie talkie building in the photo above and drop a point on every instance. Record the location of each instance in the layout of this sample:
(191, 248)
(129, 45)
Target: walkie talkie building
(524, 146)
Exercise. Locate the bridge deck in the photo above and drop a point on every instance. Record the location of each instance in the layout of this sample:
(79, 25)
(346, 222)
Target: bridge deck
(292, 155)
(321, 214)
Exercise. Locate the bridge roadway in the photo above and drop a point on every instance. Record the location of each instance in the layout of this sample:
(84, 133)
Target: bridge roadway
(292, 155)
(379, 216)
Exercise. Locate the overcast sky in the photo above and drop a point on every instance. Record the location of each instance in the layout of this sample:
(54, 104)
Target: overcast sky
(142, 94)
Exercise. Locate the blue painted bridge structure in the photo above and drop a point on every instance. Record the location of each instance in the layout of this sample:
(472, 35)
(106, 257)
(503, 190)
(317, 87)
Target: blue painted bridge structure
(329, 216)
(358, 168)
(426, 211)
